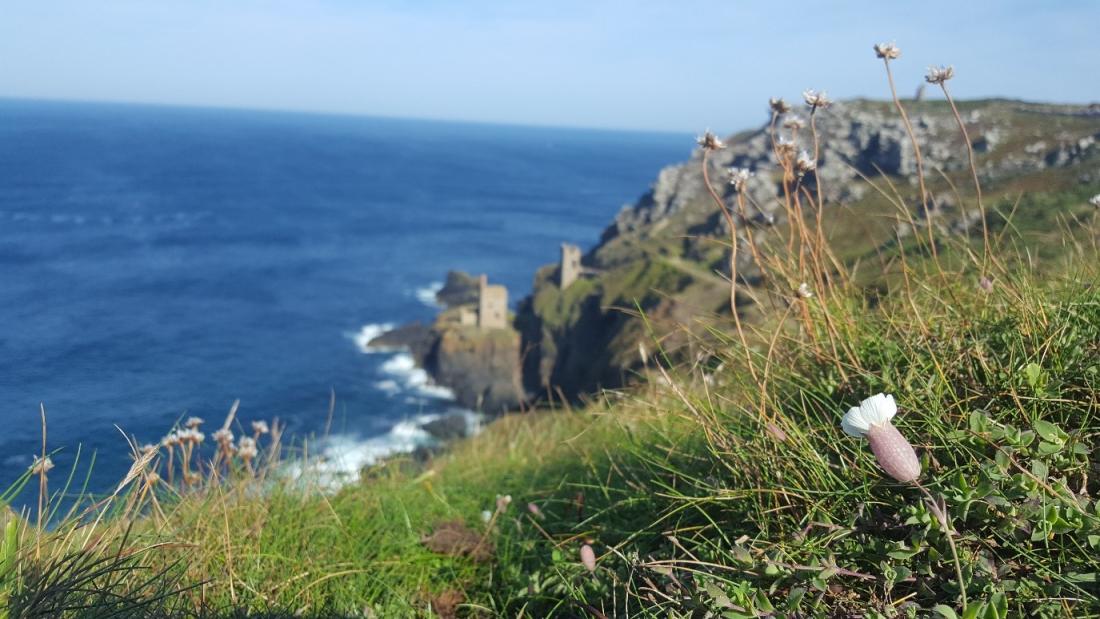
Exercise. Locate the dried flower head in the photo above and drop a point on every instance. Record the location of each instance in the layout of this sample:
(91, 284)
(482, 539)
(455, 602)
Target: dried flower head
(816, 100)
(503, 502)
(785, 147)
(149, 448)
(171, 440)
(194, 422)
(804, 163)
(939, 75)
(985, 284)
(260, 427)
(872, 419)
(739, 178)
(588, 558)
(778, 106)
(246, 448)
(224, 436)
(887, 51)
(41, 465)
(1095, 200)
(486, 516)
(794, 123)
(709, 141)
(804, 291)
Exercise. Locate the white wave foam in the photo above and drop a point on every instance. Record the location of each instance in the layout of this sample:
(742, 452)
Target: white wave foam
(342, 456)
(402, 367)
(367, 333)
(426, 294)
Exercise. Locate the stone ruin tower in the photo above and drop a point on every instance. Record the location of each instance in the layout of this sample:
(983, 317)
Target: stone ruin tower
(570, 268)
(492, 305)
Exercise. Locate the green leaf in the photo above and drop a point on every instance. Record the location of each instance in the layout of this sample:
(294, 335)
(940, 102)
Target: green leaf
(1033, 373)
(945, 611)
(1049, 432)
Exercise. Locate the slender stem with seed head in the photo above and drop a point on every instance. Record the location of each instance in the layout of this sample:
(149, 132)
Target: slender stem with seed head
(973, 172)
(916, 151)
(733, 260)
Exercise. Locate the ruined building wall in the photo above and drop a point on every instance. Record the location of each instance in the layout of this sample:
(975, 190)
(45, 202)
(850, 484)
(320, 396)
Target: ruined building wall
(570, 268)
(492, 305)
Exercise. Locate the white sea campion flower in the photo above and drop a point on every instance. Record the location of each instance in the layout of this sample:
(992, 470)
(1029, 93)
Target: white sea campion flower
(778, 106)
(804, 291)
(260, 427)
(794, 123)
(816, 100)
(887, 51)
(939, 75)
(588, 558)
(804, 163)
(1095, 200)
(194, 422)
(41, 465)
(739, 178)
(709, 141)
(872, 419)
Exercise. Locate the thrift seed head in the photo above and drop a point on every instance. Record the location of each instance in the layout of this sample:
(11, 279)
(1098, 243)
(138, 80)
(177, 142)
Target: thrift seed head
(739, 178)
(804, 291)
(939, 75)
(194, 422)
(887, 51)
(804, 163)
(709, 141)
(816, 100)
(224, 436)
(246, 448)
(785, 147)
(778, 106)
(503, 502)
(794, 123)
(260, 427)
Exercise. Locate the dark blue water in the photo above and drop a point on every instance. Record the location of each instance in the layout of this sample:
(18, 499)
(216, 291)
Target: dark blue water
(162, 262)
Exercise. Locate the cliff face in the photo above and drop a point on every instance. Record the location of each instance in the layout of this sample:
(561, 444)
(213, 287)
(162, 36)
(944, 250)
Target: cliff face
(665, 254)
(481, 366)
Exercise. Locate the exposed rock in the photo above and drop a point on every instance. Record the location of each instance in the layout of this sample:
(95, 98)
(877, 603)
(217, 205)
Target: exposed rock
(459, 289)
(481, 366)
(448, 427)
(415, 337)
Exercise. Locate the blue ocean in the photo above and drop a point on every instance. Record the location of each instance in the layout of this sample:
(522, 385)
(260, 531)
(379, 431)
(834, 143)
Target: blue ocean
(159, 262)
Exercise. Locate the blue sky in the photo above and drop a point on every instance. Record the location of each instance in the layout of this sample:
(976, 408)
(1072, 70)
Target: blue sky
(681, 65)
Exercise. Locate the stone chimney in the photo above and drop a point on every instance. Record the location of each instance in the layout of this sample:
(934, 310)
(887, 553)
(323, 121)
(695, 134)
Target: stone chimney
(570, 268)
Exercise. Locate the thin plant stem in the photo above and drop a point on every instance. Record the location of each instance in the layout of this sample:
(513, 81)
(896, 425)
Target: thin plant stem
(973, 173)
(942, 517)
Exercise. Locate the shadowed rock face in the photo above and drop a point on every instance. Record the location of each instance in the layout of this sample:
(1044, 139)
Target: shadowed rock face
(481, 365)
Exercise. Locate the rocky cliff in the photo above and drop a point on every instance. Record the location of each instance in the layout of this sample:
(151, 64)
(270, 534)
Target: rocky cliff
(665, 256)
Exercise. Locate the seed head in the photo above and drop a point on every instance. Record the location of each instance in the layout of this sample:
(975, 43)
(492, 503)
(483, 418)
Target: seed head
(503, 502)
(1095, 200)
(171, 440)
(794, 123)
(41, 465)
(939, 75)
(739, 178)
(785, 147)
(778, 106)
(872, 419)
(246, 448)
(588, 558)
(816, 100)
(149, 447)
(887, 51)
(486, 516)
(224, 436)
(804, 291)
(709, 141)
(260, 427)
(193, 422)
(804, 163)
(985, 284)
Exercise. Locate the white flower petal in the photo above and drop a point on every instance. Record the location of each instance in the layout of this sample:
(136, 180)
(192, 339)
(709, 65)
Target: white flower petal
(876, 410)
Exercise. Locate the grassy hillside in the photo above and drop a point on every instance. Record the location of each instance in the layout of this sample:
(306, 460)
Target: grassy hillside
(720, 485)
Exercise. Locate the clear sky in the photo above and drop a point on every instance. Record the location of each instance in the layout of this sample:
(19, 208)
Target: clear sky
(679, 65)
